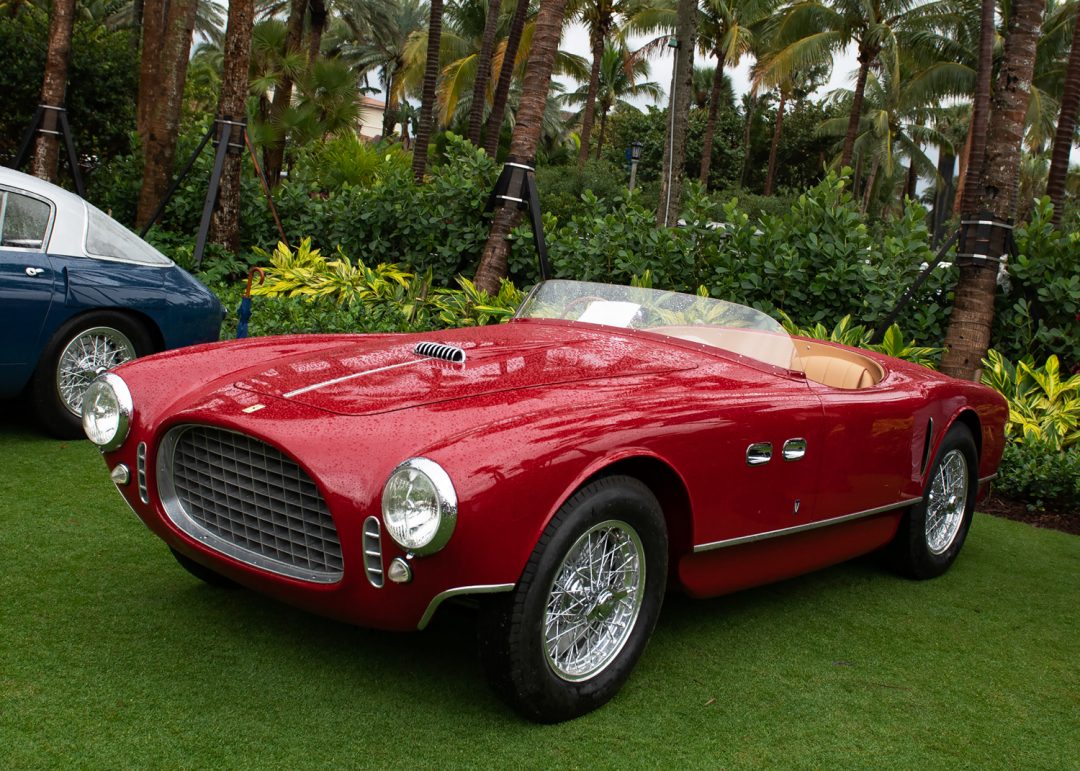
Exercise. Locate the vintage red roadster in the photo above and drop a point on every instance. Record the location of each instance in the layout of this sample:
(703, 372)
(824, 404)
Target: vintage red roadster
(564, 469)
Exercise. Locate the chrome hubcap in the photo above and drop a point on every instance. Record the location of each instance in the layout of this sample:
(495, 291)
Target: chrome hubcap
(594, 601)
(947, 501)
(90, 353)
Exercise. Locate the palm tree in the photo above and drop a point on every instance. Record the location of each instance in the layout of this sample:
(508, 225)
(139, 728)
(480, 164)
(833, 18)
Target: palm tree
(619, 78)
(968, 333)
(667, 210)
(1066, 127)
(483, 71)
(493, 126)
(46, 156)
(427, 100)
(529, 121)
(274, 153)
(600, 18)
(812, 31)
(166, 43)
(225, 222)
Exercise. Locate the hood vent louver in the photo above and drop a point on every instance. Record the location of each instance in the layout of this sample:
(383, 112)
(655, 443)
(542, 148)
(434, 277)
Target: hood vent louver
(441, 351)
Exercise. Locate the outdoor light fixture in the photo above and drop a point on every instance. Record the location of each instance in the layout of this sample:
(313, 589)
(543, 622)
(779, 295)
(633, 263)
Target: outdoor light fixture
(635, 150)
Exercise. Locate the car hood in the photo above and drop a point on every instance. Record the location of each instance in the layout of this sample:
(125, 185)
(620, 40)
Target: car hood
(381, 373)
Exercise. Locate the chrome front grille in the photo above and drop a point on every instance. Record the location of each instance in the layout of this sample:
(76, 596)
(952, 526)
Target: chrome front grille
(244, 498)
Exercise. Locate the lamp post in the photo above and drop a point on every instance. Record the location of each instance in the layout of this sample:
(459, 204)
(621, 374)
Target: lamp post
(635, 156)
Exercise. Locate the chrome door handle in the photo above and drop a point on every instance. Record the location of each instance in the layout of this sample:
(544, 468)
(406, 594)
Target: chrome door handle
(758, 453)
(794, 449)
(32, 272)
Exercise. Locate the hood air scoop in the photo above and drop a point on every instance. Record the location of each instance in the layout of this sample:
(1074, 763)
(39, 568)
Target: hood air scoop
(441, 351)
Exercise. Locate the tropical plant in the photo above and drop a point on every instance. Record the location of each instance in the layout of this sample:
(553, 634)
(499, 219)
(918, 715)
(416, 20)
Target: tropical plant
(1041, 475)
(620, 78)
(856, 335)
(1043, 407)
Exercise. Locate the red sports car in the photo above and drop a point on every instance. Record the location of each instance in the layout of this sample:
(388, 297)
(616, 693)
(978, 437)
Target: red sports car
(565, 469)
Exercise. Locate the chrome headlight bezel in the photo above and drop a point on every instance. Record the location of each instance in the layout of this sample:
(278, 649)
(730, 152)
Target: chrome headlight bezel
(445, 497)
(124, 407)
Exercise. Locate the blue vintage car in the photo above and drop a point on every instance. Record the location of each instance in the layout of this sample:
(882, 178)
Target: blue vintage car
(80, 294)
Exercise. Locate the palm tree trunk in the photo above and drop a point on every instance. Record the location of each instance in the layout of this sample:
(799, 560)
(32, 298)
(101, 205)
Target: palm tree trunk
(1066, 128)
(136, 24)
(390, 109)
(770, 177)
(710, 124)
(968, 335)
(744, 176)
(274, 154)
(527, 128)
(912, 180)
(318, 26)
(603, 132)
(868, 190)
(46, 156)
(493, 127)
(427, 99)
(867, 54)
(943, 195)
(686, 17)
(483, 72)
(965, 159)
(596, 40)
(980, 109)
(225, 221)
(161, 90)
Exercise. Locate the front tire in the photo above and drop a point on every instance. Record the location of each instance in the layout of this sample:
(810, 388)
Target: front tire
(79, 351)
(567, 637)
(932, 532)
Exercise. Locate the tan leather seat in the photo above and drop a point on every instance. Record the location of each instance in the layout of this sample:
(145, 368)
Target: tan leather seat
(838, 373)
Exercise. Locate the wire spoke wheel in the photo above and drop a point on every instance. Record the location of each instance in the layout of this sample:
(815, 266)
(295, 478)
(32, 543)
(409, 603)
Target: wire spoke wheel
(946, 502)
(594, 601)
(89, 353)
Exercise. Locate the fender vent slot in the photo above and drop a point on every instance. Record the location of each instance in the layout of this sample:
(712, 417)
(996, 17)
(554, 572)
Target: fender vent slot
(441, 351)
(373, 565)
(927, 443)
(140, 467)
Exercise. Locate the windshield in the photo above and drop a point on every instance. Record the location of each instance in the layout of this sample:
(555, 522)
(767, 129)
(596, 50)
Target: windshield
(715, 323)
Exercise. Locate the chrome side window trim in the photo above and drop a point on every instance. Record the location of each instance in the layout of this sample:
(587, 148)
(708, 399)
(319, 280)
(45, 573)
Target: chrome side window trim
(802, 528)
(439, 598)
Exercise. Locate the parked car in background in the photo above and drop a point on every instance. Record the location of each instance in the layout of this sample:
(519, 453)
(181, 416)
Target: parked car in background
(562, 470)
(80, 294)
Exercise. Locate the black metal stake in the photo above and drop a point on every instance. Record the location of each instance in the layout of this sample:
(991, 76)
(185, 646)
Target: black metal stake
(176, 182)
(516, 186)
(37, 127)
(223, 146)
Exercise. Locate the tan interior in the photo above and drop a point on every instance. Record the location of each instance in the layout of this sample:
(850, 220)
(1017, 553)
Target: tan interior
(821, 363)
(835, 367)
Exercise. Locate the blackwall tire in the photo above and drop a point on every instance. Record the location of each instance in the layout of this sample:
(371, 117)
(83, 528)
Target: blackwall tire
(73, 357)
(564, 641)
(932, 532)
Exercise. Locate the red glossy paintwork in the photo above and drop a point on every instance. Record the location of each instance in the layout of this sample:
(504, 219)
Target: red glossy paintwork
(538, 408)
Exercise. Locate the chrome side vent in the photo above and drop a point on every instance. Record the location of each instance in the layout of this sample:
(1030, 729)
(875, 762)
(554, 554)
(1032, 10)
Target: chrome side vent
(140, 470)
(441, 351)
(373, 566)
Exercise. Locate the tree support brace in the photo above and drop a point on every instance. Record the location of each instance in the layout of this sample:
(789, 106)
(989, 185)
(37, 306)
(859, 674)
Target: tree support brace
(516, 187)
(37, 126)
(227, 134)
(984, 242)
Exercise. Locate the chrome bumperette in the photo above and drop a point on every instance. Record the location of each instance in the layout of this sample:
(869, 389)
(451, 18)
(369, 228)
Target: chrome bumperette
(246, 499)
(373, 558)
(802, 528)
(459, 591)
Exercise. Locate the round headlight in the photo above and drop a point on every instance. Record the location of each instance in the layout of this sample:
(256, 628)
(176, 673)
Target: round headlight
(106, 411)
(419, 506)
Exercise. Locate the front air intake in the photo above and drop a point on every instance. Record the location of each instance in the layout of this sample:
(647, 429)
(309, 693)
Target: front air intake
(441, 351)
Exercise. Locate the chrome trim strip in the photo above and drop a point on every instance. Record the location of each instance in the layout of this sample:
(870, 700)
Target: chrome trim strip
(803, 528)
(343, 378)
(140, 463)
(438, 599)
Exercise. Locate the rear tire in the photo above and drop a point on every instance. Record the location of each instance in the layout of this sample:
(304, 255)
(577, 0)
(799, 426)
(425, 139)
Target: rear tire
(79, 351)
(564, 641)
(932, 532)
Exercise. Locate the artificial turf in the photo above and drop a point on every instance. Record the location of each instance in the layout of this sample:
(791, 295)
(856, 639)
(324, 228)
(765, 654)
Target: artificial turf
(112, 656)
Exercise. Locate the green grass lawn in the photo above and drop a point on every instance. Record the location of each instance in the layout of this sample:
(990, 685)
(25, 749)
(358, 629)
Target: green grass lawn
(112, 656)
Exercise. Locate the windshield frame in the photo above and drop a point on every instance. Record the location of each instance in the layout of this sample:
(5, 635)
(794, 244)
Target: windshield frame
(697, 321)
